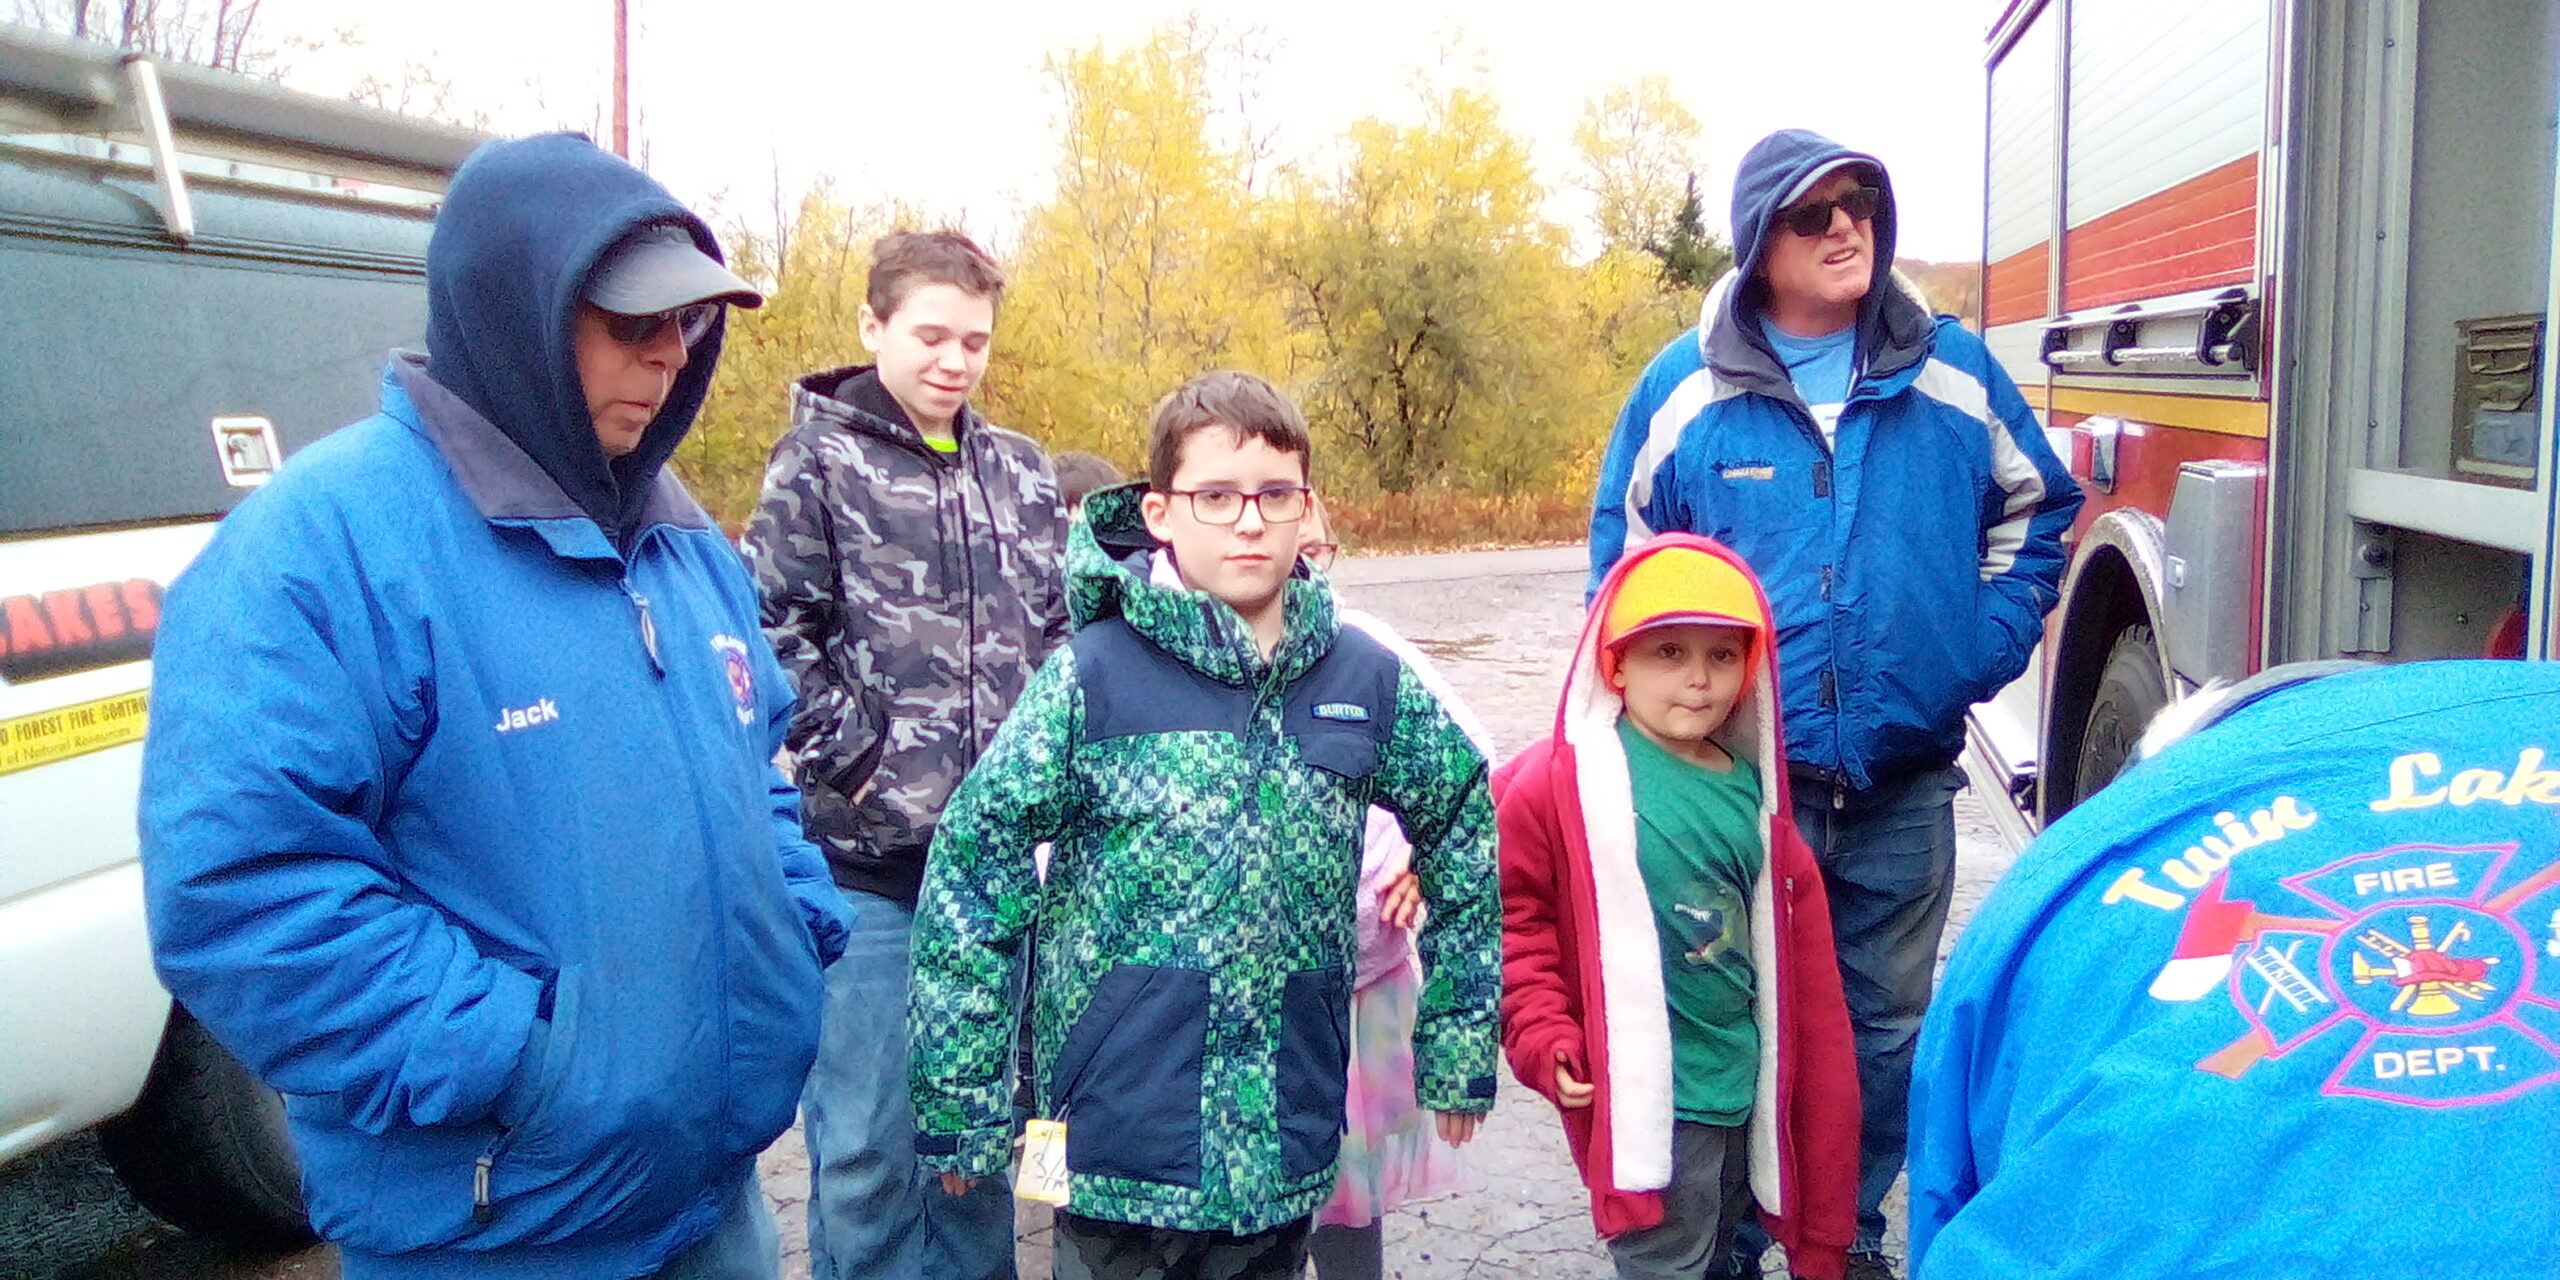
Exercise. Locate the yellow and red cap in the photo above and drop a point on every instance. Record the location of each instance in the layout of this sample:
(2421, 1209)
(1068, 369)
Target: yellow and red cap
(1679, 585)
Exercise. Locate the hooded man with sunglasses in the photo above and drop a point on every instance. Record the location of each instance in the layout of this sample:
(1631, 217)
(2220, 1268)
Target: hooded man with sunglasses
(460, 822)
(1897, 498)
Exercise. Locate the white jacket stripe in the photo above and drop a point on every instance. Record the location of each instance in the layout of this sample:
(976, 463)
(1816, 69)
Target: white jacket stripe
(2020, 483)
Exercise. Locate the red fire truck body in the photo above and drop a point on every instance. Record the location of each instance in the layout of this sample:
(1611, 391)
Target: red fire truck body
(2276, 272)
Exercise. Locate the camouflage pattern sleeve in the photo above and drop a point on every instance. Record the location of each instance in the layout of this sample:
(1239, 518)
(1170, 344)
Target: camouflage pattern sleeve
(980, 892)
(790, 546)
(1055, 625)
(1433, 779)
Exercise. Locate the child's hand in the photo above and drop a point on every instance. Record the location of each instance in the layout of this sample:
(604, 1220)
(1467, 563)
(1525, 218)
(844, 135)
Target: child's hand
(1456, 1129)
(1570, 1092)
(1400, 904)
(955, 1185)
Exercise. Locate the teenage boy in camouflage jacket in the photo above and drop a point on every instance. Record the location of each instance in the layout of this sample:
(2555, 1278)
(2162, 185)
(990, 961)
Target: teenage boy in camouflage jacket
(909, 554)
(1203, 755)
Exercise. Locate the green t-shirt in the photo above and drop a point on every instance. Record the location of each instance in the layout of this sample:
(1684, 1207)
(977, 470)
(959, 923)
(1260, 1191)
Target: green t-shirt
(1698, 846)
(940, 445)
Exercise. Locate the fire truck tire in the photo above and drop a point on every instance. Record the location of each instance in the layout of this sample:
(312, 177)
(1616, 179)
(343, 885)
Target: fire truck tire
(206, 1147)
(2131, 690)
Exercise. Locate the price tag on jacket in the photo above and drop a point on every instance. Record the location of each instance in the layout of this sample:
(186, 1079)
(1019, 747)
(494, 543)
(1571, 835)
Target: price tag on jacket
(1043, 1175)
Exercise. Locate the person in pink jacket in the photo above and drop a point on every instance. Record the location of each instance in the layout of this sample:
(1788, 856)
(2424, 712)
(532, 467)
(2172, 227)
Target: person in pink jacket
(1390, 1152)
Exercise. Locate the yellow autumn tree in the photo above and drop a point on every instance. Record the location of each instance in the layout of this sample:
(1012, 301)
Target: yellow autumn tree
(1135, 273)
(1638, 147)
(1460, 365)
(812, 269)
(1426, 289)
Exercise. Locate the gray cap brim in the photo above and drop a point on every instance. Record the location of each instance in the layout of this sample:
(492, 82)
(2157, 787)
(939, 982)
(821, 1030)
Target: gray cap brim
(1804, 186)
(659, 269)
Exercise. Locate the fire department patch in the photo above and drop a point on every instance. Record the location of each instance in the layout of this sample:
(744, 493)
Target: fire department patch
(742, 677)
(2419, 968)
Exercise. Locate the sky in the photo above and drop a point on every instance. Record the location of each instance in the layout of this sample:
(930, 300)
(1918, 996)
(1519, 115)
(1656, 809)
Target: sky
(945, 106)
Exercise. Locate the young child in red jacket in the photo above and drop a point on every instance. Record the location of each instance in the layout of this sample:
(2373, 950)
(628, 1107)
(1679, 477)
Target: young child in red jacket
(1668, 979)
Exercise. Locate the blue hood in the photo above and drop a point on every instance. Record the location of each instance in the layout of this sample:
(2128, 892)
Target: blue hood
(522, 228)
(1893, 329)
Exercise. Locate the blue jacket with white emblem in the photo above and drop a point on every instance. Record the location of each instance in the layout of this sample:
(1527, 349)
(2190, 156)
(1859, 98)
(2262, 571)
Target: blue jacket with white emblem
(2282, 1002)
(460, 823)
(1911, 561)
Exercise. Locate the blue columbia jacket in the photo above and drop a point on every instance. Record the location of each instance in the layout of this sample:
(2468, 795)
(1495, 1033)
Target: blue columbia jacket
(1912, 566)
(460, 824)
(2282, 1002)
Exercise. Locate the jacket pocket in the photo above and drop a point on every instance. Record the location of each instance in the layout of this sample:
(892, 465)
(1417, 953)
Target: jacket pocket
(1311, 1068)
(1127, 1078)
(560, 1035)
(609, 1144)
(922, 761)
(1343, 753)
(845, 762)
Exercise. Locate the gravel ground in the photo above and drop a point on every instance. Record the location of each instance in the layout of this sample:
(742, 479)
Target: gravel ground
(1500, 625)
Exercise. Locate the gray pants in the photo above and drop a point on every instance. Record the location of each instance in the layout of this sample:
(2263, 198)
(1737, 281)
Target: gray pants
(1710, 1191)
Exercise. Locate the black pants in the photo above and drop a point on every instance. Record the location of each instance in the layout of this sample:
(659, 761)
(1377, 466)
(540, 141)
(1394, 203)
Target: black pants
(1092, 1249)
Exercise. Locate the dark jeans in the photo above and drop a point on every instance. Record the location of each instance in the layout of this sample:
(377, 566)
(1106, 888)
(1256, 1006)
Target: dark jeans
(1092, 1249)
(873, 1211)
(1888, 857)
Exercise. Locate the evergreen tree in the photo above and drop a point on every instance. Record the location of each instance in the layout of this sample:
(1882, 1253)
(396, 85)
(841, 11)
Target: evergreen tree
(1691, 256)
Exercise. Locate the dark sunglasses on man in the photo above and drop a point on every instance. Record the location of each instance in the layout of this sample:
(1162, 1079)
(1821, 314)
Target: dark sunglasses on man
(693, 321)
(1813, 219)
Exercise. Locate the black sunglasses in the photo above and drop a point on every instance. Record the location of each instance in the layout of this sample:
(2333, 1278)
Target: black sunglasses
(1812, 220)
(692, 320)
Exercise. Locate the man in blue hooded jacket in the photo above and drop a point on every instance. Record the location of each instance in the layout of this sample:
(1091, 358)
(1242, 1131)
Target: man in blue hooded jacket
(460, 823)
(1884, 478)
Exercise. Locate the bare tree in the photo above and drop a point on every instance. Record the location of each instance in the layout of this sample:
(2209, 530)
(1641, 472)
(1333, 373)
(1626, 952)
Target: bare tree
(222, 34)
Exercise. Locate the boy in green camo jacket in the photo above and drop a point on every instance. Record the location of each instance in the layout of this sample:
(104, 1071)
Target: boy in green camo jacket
(1202, 756)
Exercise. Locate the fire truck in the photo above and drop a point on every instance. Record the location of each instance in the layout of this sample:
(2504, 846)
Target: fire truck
(2278, 275)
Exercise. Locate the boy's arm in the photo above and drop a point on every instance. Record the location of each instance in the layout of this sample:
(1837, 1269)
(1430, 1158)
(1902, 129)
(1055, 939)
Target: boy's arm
(804, 870)
(979, 894)
(1051, 569)
(1537, 1016)
(1433, 779)
(790, 544)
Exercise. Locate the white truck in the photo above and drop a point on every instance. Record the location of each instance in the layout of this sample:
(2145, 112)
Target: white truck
(201, 273)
